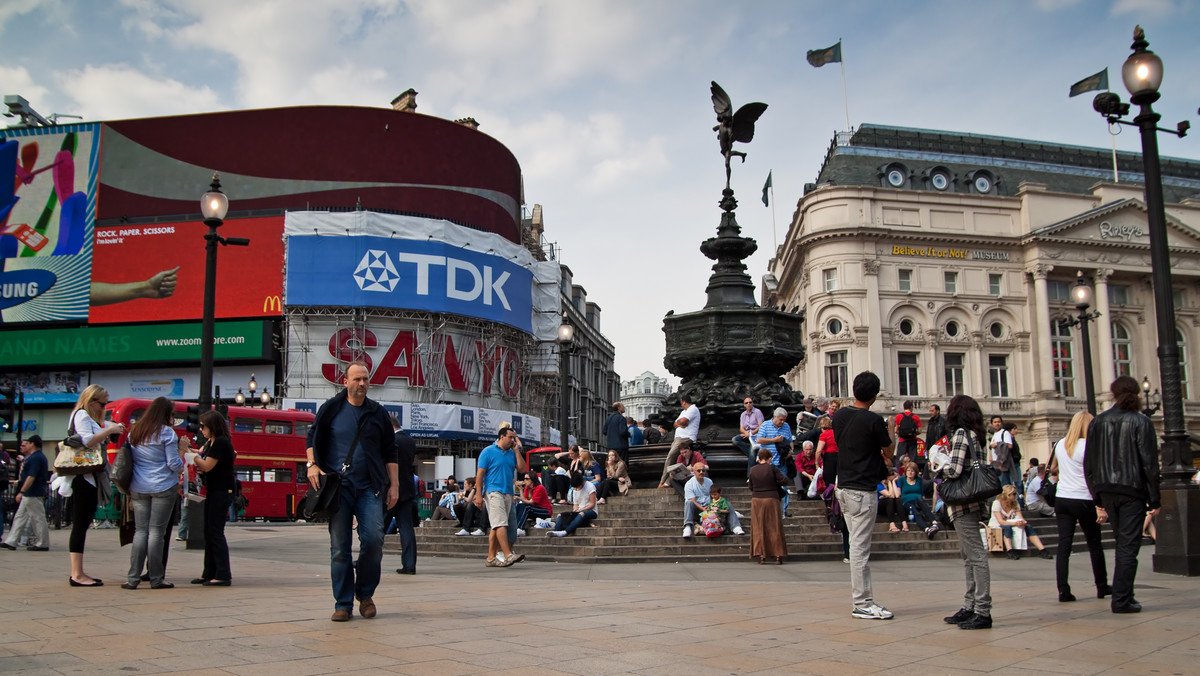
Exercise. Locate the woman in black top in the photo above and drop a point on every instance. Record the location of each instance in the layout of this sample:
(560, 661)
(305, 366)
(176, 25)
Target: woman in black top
(216, 462)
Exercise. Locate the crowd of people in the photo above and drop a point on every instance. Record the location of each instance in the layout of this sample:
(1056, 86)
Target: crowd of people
(864, 466)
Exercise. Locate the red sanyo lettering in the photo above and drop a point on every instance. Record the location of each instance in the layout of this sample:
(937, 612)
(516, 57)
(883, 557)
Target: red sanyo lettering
(346, 345)
(468, 368)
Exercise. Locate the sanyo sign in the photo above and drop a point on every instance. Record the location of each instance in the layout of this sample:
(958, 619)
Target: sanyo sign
(367, 271)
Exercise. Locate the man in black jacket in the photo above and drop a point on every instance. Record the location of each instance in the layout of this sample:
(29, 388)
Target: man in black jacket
(616, 432)
(351, 426)
(1120, 463)
(405, 511)
(935, 428)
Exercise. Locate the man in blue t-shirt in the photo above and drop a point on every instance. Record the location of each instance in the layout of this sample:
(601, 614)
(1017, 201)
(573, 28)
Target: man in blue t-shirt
(31, 499)
(498, 467)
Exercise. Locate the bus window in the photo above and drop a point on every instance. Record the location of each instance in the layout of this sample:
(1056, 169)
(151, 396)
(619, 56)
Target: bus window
(247, 425)
(279, 475)
(302, 428)
(247, 473)
(278, 427)
(301, 472)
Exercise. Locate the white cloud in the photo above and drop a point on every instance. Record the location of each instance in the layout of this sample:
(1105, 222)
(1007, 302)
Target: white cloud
(13, 8)
(118, 92)
(1142, 8)
(19, 81)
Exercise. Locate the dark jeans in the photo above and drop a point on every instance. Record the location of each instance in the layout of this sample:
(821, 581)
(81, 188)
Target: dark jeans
(525, 511)
(1126, 514)
(355, 579)
(572, 520)
(920, 513)
(408, 537)
(556, 485)
(743, 445)
(608, 487)
(216, 549)
(1069, 511)
(83, 510)
(890, 507)
(474, 518)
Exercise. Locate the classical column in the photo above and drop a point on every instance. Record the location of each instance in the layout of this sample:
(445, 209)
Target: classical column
(874, 315)
(1104, 341)
(977, 367)
(1044, 365)
(933, 383)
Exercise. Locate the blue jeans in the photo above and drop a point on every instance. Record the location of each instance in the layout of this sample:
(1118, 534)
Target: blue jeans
(353, 580)
(578, 519)
(524, 511)
(152, 522)
(408, 537)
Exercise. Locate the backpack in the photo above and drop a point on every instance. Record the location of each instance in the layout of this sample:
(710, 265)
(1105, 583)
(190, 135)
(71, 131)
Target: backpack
(907, 428)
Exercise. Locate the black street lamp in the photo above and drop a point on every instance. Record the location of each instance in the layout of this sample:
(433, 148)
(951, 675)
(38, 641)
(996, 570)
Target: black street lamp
(1150, 409)
(213, 205)
(1082, 294)
(566, 334)
(1177, 550)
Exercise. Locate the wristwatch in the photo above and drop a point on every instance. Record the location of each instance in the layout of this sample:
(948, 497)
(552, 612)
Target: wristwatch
(310, 463)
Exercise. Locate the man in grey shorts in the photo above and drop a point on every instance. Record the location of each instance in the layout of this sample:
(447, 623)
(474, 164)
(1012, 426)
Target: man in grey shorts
(498, 467)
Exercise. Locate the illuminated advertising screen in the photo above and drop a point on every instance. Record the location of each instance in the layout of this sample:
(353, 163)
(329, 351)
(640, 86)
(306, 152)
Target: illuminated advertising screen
(155, 272)
(47, 211)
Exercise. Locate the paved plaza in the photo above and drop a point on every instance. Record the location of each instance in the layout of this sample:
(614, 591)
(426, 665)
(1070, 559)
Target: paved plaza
(458, 617)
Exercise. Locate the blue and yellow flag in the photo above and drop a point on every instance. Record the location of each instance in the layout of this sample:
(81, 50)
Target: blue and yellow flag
(1091, 83)
(820, 57)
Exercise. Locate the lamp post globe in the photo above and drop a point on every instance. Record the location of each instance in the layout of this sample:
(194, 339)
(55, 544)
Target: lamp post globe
(566, 334)
(1143, 70)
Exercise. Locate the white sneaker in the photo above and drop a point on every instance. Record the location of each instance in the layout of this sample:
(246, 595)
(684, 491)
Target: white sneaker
(874, 612)
(520, 532)
(557, 533)
(687, 531)
(739, 531)
(477, 531)
(739, 514)
(462, 532)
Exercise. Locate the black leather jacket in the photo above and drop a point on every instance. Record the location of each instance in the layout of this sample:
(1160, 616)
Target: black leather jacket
(1121, 456)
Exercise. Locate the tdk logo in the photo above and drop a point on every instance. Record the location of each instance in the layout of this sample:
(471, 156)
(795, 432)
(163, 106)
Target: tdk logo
(375, 272)
(465, 281)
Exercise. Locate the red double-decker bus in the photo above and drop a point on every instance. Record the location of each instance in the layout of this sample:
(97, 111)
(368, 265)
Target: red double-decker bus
(270, 447)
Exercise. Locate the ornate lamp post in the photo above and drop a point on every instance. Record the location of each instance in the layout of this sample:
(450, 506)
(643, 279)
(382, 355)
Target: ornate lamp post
(1150, 409)
(1178, 545)
(1082, 294)
(566, 334)
(213, 206)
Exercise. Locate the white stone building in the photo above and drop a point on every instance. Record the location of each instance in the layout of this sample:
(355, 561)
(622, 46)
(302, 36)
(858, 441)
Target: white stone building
(944, 262)
(644, 395)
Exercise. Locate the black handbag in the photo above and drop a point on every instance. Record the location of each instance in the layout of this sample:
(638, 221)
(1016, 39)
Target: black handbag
(978, 482)
(323, 502)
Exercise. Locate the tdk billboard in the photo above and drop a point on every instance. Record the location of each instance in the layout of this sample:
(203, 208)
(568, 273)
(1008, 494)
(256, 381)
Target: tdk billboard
(367, 271)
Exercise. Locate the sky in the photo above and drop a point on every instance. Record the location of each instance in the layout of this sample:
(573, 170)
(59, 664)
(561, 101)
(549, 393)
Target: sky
(606, 104)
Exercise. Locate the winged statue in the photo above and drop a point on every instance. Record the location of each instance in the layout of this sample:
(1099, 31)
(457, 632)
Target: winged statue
(733, 126)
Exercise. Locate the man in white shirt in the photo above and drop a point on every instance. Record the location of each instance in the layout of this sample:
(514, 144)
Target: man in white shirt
(1034, 502)
(687, 427)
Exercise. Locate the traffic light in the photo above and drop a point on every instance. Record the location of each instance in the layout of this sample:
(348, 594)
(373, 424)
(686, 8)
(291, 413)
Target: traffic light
(8, 408)
(193, 420)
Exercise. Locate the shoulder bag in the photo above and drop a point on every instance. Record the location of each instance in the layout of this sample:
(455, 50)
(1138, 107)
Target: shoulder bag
(323, 502)
(121, 472)
(74, 457)
(978, 482)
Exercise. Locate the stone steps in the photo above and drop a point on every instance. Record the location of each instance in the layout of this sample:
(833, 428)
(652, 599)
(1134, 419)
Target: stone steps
(646, 526)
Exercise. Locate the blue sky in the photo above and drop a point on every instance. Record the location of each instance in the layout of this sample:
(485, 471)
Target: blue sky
(605, 103)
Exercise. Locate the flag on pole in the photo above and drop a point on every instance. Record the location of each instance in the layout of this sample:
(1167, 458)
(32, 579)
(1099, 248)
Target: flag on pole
(766, 187)
(820, 57)
(1091, 83)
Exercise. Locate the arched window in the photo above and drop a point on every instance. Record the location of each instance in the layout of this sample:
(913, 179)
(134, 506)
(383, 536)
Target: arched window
(1183, 379)
(1122, 351)
(1061, 360)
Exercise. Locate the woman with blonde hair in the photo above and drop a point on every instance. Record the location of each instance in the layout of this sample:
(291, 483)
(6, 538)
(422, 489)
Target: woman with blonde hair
(1006, 515)
(87, 420)
(592, 472)
(1073, 504)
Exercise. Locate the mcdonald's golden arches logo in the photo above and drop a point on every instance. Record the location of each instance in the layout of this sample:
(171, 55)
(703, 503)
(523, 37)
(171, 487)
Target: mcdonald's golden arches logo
(272, 304)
